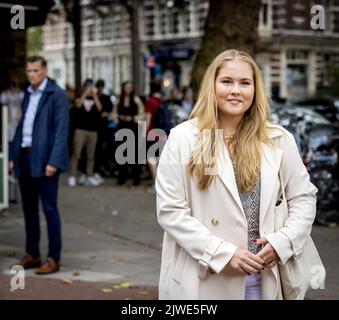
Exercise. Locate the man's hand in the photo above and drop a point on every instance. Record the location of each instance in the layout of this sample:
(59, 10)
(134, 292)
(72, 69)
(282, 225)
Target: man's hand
(50, 170)
(267, 253)
(245, 262)
(10, 166)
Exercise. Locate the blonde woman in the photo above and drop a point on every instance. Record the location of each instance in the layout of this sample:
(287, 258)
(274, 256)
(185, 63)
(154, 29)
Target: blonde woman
(217, 187)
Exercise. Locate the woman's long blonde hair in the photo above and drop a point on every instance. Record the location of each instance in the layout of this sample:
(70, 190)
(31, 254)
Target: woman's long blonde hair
(250, 132)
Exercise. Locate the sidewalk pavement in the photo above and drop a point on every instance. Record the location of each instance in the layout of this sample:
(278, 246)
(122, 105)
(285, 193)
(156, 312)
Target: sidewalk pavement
(44, 288)
(112, 247)
(111, 241)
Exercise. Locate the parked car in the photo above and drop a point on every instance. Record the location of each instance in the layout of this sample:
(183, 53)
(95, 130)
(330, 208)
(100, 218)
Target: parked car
(326, 107)
(322, 143)
(296, 120)
(317, 140)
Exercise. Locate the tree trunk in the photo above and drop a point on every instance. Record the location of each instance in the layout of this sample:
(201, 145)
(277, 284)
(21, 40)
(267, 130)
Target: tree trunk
(135, 46)
(229, 24)
(76, 22)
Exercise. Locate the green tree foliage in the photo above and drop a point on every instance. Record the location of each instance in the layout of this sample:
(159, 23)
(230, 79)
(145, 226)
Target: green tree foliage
(34, 40)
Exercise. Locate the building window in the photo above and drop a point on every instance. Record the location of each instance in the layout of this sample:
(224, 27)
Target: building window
(201, 12)
(163, 19)
(56, 73)
(149, 17)
(149, 24)
(264, 15)
(187, 22)
(297, 54)
(107, 29)
(90, 32)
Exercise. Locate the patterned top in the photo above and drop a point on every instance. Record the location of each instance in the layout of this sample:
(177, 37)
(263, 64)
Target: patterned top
(251, 205)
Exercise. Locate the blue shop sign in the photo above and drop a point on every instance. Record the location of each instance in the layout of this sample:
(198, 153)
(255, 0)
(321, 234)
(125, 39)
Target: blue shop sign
(174, 53)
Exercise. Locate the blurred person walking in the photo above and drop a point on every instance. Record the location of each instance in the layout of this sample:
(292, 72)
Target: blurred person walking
(38, 154)
(86, 134)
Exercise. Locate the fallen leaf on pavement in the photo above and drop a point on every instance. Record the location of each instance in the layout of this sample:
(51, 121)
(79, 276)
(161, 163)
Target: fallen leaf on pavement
(67, 281)
(118, 258)
(77, 273)
(84, 267)
(89, 233)
(122, 285)
(125, 285)
(106, 290)
(143, 292)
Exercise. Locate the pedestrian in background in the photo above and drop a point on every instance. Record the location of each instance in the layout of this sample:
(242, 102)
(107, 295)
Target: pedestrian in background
(12, 98)
(38, 154)
(103, 133)
(187, 99)
(152, 105)
(86, 134)
(218, 187)
(128, 110)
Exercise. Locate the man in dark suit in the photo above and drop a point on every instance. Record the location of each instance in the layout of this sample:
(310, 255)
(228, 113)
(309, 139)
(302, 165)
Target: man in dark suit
(38, 154)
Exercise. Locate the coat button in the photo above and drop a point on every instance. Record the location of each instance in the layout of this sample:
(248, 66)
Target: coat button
(215, 221)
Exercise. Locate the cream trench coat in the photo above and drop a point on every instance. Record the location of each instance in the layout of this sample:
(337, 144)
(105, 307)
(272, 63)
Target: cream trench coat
(210, 225)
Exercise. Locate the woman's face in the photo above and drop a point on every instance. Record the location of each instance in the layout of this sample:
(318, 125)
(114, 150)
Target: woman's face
(128, 88)
(234, 88)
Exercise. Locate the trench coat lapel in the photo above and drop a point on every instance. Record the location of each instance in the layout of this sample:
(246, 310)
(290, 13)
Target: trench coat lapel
(224, 171)
(270, 165)
(226, 174)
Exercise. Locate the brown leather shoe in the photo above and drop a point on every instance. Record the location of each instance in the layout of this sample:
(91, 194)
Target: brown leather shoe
(28, 262)
(48, 266)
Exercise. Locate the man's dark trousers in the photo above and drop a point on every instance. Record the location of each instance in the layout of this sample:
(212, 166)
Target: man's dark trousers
(47, 189)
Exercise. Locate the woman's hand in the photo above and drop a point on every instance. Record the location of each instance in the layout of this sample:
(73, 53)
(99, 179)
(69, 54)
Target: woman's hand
(245, 262)
(267, 253)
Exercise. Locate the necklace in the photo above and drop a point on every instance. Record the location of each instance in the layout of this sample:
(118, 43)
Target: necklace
(228, 137)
